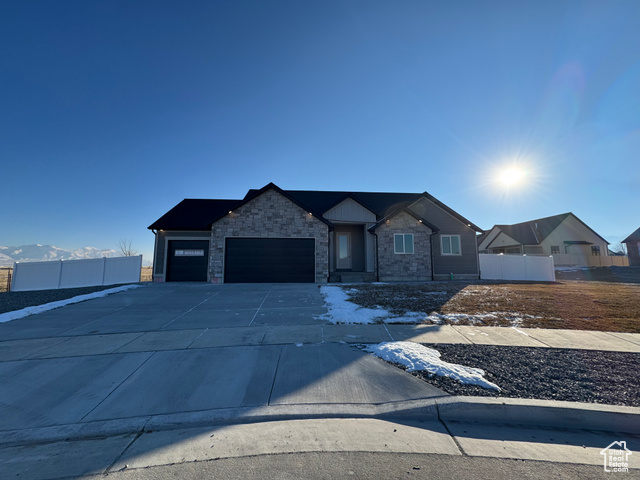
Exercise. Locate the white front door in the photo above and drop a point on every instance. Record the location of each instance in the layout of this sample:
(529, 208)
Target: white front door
(343, 251)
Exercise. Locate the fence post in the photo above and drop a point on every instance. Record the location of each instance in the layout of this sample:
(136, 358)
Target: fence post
(60, 274)
(104, 268)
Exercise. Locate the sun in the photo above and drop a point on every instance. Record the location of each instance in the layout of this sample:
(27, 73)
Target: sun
(511, 176)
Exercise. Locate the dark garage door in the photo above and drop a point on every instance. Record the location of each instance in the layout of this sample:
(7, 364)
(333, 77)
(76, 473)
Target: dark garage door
(265, 260)
(188, 261)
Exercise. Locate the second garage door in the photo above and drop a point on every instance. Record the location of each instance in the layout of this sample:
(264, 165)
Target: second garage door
(266, 260)
(187, 261)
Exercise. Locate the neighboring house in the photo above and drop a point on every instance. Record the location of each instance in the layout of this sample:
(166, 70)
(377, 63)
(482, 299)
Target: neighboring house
(633, 248)
(275, 235)
(565, 236)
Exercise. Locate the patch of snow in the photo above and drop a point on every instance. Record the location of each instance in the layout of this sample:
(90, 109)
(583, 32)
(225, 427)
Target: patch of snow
(341, 310)
(520, 331)
(418, 357)
(572, 269)
(25, 312)
(440, 318)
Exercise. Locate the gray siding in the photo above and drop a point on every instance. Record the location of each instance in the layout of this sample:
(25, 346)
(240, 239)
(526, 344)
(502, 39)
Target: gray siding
(159, 261)
(350, 211)
(462, 266)
(633, 251)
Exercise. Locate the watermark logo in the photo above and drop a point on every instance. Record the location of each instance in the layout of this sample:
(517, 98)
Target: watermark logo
(616, 457)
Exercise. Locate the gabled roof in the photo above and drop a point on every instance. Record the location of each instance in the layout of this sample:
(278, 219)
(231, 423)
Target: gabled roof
(634, 237)
(405, 210)
(193, 214)
(534, 232)
(452, 212)
(380, 203)
(318, 202)
(255, 193)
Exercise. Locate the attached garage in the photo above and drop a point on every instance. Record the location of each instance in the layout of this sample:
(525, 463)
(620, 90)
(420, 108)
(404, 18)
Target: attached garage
(269, 260)
(187, 261)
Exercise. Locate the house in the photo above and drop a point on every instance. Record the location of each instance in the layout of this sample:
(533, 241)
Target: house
(565, 236)
(633, 248)
(275, 235)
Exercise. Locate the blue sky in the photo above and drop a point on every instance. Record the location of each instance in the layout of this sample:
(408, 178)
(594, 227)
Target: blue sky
(111, 112)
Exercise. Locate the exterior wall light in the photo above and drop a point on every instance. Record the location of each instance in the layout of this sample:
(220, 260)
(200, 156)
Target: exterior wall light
(230, 212)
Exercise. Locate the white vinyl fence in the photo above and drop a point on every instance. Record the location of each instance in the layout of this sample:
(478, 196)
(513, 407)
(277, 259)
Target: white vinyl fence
(75, 273)
(517, 267)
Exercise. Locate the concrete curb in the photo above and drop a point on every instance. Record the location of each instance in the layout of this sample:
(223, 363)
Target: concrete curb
(484, 410)
(540, 413)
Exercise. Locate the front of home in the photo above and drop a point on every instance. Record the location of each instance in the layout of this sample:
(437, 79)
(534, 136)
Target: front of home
(275, 235)
(568, 239)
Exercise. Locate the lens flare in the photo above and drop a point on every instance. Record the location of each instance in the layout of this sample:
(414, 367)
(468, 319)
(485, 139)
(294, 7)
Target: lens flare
(511, 176)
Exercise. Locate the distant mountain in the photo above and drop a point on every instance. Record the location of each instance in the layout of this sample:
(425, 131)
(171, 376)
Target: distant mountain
(39, 253)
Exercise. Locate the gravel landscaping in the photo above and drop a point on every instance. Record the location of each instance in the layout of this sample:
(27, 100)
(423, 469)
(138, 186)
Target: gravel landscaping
(544, 373)
(11, 301)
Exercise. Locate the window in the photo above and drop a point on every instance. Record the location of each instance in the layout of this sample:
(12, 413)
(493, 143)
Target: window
(450, 244)
(555, 249)
(403, 243)
(595, 251)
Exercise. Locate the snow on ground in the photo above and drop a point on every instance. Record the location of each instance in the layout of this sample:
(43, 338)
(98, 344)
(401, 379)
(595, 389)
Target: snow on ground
(341, 310)
(419, 357)
(572, 269)
(25, 312)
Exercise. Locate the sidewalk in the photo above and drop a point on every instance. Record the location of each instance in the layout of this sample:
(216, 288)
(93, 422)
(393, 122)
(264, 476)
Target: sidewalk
(68, 346)
(111, 374)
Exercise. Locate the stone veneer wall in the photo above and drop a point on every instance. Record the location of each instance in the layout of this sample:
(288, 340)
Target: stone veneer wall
(269, 215)
(394, 267)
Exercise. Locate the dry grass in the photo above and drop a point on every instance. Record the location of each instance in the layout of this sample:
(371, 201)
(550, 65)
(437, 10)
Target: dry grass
(611, 307)
(147, 274)
(4, 279)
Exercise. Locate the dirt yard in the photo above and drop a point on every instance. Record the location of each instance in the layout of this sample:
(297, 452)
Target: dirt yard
(568, 304)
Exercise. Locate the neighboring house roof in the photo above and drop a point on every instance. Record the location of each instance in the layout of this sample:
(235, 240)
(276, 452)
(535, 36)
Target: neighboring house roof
(634, 237)
(480, 238)
(200, 214)
(193, 214)
(534, 232)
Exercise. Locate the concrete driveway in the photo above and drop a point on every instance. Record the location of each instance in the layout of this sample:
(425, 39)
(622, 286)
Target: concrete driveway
(172, 349)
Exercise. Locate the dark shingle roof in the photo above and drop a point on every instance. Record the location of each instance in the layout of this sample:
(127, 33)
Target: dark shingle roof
(193, 214)
(634, 237)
